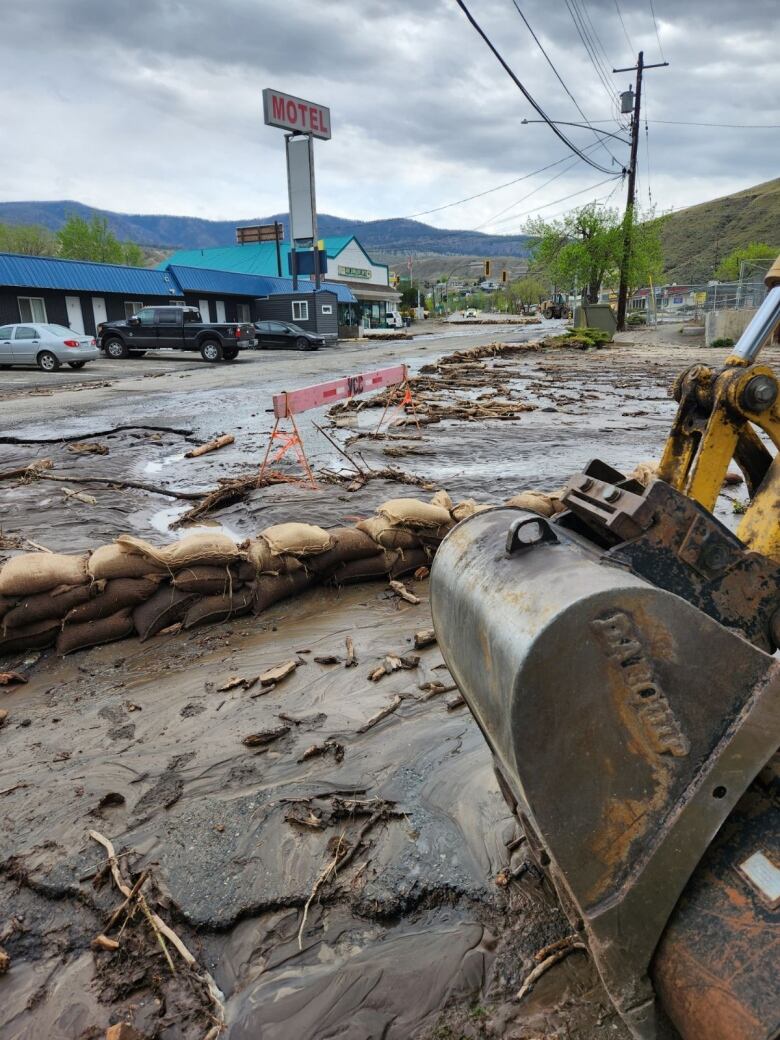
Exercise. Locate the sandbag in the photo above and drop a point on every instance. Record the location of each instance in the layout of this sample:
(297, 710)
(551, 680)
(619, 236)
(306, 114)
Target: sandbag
(31, 637)
(118, 594)
(297, 539)
(409, 562)
(207, 581)
(39, 572)
(264, 561)
(94, 633)
(348, 544)
(112, 561)
(537, 502)
(410, 512)
(378, 566)
(468, 507)
(206, 549)
(211, 609)
(388, 535)
(271, 588)
(6, 605)
(46, 605)
(166, 607)
(644, 472)
(441, 498)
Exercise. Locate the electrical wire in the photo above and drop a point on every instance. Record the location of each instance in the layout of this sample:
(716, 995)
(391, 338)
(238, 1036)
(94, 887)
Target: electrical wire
(605, 64)
(625, 31)
(555, 202)
(583, 35)
(658, 38)
(535, 105)
(647, 151)
(560, 80)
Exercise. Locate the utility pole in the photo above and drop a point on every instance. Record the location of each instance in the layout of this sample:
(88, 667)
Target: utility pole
(628, 219)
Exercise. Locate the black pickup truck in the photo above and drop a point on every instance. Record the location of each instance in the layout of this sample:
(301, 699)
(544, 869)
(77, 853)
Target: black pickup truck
(173, 328)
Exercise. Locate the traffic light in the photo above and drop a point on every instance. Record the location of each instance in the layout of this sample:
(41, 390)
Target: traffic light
(505, 277)
(487, 268)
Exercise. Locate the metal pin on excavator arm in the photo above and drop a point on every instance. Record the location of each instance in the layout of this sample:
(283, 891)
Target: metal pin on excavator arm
(621, 662)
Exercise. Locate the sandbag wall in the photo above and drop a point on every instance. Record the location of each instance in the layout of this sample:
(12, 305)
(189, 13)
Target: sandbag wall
(131, 587)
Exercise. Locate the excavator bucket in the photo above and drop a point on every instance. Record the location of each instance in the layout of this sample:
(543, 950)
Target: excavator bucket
(619, 662)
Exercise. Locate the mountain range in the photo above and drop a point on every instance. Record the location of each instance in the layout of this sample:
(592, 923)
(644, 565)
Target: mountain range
(397, 235)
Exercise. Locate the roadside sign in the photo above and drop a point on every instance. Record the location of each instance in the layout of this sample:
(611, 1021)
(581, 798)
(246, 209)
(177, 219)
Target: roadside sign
(295, 114)
(300, 185)
(260, 233)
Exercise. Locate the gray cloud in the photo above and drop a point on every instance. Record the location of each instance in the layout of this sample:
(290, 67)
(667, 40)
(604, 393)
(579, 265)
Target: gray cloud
(154, 105)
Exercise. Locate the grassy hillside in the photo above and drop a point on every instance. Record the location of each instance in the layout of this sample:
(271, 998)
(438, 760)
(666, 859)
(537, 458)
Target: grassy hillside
(696, 239)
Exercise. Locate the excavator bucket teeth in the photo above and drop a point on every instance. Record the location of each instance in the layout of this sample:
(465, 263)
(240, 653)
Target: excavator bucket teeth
(626, 723)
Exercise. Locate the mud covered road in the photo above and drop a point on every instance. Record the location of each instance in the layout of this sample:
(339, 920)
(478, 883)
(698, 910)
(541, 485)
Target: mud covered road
(335, 875)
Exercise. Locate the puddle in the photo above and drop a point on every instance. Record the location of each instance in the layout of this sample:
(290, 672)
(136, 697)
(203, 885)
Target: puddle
(160, 464)
(161, 521)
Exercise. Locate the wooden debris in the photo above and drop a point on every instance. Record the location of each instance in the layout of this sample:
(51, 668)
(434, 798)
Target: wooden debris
(434, 689)
(302, 814)
(102, 942)
(8, 678)
(265, 736)
(425, 637)
(215, 445)
(455, 702)
(394, 705)
(88, 448)
(327, 747)
(351, 660)
(234, 681)
(563, 951)
(402, 592)
(328, 659)
(26, 471)
(10, 790)
(80, 496)
(392, 663)
(5, 961)
(278, 673)
(123, 1031)
(421, 573)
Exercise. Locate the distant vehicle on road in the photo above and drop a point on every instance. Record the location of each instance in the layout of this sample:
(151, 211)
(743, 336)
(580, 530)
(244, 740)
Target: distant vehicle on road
(470, 313)
(393, 320)
(47, 346)
(174, 328)
(285, 334)
(556, 307)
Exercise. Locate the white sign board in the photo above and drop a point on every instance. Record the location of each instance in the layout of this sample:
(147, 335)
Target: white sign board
(300, 183)
(292, 113)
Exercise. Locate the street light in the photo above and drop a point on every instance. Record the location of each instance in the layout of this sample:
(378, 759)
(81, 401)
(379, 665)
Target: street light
(583, 126)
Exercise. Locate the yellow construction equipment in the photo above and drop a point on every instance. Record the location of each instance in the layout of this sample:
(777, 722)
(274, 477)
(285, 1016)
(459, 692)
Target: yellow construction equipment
(621, 661)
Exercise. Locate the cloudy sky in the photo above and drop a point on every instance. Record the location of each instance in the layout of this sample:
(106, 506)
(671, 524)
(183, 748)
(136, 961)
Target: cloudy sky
(154, 106)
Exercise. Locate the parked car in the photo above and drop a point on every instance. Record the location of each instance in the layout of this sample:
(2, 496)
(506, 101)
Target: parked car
(285, 334)
(174, 328)
(47, 346)
(393, 320)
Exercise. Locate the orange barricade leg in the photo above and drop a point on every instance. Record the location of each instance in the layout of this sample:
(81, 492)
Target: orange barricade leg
(406, 401)
(288, 441)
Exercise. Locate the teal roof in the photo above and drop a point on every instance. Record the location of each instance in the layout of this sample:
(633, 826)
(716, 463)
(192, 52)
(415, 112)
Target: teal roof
(258, 259)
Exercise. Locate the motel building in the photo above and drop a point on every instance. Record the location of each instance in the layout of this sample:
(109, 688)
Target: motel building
(349, 265)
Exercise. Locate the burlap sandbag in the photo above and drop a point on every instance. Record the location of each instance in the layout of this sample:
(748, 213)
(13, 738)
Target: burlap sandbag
(207, 549)
(166, 606)
(644, 472)
(296, 539)
(468, 507)
(211, 609)
(378, 566)
(39, 572)
(260, 557)
(410, 512)
(207, 581)
(537, 502)
(118, 594)
(441, 498)
(94, 633)
(45, 605)
(271, 588)
(6, 605)
(388, 535)
(112, 561)
(31, 637)
(409, 562)
(349, 543)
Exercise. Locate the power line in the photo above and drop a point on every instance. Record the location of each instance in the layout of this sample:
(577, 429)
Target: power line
(625, 31)
(555, 202)
(558, 76)
(526, 94)
(606, 64)
(676, 122)
(582, 32)
(655, 26)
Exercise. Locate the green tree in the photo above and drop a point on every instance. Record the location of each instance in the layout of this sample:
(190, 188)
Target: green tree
(81, 239)
(728, 269)
(409, 296)
(585, 247)
(28, 239)
(526, 291)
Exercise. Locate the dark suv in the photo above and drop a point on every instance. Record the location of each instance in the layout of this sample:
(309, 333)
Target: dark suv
(174, 328)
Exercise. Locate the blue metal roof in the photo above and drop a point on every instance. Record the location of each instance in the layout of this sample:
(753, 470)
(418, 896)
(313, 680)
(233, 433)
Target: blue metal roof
(46, 272)
(228, 283)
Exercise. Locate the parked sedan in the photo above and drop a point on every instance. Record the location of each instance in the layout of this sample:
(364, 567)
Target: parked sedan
(47, 346)
(285, 334)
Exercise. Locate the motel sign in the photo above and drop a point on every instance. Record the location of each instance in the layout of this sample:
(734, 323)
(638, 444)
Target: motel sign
(295, 114)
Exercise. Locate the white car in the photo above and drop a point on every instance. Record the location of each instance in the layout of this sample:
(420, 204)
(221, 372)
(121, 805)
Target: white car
(47, 346)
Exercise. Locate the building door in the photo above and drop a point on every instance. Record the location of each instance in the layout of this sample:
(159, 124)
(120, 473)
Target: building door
(220, 310)
(75, 315)
(203, 307)
(99, 310)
